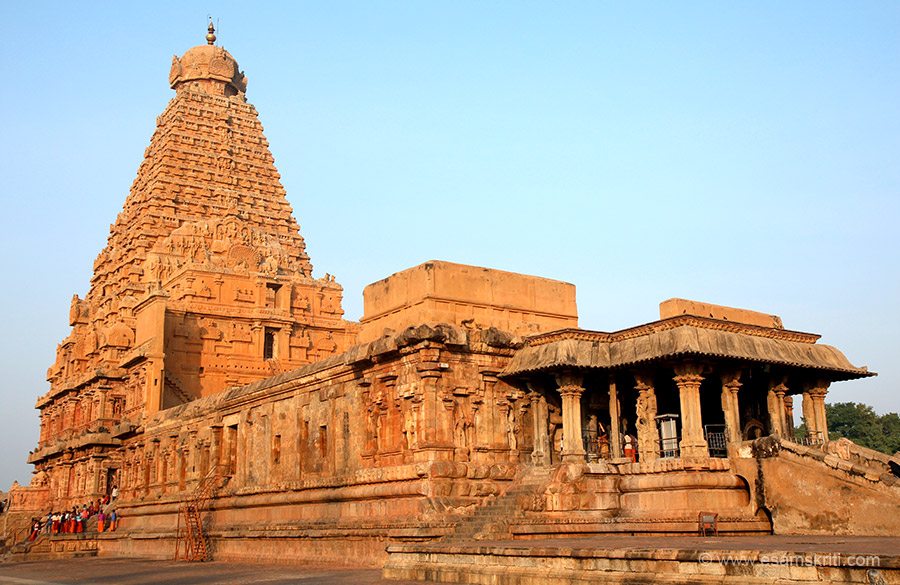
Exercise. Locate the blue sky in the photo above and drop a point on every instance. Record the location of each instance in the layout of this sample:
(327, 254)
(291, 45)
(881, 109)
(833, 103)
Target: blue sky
(743, 154)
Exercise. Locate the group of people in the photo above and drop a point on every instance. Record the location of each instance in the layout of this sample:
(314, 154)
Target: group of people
(75, 520)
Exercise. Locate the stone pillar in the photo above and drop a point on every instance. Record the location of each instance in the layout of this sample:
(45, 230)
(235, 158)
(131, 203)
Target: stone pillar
(730, 386)
(809, 414)
(615, 424)
(688, 379)
(571, 390)
(647, 431)
(775, 401)
(818, 405)
(540, 454)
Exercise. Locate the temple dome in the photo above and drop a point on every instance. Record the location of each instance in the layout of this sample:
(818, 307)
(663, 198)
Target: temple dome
(212, 68)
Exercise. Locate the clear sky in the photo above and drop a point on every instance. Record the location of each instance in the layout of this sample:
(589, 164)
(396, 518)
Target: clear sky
(744, 154)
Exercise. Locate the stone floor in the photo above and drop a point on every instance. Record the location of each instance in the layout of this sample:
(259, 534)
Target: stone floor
(100, 571)
(882, 546)
(669, 560)
(116, 571)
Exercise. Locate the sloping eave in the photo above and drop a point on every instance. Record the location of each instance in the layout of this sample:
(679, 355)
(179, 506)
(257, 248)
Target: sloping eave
(577, 352)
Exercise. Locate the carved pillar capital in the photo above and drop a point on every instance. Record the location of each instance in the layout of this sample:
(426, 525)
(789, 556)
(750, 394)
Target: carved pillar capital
(818, 393)
(568, 379)
(642, 380)
(571, 391)
(689, 369)
(731, 380)
(688, 381)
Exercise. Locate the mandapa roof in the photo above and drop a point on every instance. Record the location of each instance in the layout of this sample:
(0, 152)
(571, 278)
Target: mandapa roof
(679, 337)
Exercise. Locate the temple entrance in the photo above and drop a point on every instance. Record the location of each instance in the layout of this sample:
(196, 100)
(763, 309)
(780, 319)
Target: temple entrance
(754, 411)
(111, 480)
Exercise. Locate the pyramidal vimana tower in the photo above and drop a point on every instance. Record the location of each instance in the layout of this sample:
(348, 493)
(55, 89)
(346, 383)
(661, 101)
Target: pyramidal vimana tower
(204, 282)
(206, 364)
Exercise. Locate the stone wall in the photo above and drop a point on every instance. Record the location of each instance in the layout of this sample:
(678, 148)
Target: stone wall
(384, 442)
(808, 491)
(467, 296)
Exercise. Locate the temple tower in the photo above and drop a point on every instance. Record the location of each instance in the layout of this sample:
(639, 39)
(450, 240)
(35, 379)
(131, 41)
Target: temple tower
(204, 282)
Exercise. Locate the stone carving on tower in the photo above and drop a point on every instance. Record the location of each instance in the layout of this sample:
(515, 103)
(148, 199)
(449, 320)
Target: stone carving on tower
(204, 282)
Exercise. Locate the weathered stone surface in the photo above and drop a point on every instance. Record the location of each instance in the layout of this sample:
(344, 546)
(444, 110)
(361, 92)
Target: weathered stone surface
(648, 560)
(467, 296)
(204, 284)
(466, 406)
(676, 307)
(807, 491)
(677, 338)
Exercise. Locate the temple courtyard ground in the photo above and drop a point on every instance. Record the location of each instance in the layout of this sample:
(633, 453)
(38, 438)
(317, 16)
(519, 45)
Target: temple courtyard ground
(800, 559)
(104, 571)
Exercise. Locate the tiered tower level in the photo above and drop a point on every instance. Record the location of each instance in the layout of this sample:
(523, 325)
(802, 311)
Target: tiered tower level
(204, 283)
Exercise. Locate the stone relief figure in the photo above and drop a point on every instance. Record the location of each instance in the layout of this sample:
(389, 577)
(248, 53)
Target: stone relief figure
(78, 311)
(327, 304)
(270, 265)
(648, 435)
(554, 427)
(240, 332)
(512, 428)
(301, 302)
(379, 426)
(462, 425)
(209, 330)
(371, 428)
(327, 345)
(409, 427)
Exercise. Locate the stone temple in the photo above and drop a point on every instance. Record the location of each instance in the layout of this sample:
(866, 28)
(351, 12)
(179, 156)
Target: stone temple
(207, 365)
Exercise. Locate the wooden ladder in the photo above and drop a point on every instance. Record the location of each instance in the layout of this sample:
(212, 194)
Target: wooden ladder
(191, 535)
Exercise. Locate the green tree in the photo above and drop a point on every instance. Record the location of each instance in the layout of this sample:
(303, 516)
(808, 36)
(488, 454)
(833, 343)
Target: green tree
(890, 425)
(859, 423)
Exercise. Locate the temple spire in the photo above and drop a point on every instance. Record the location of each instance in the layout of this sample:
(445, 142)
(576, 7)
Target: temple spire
(211, 37)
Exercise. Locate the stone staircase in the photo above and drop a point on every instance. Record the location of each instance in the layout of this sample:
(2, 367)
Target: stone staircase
(491, 520)
(176, 387)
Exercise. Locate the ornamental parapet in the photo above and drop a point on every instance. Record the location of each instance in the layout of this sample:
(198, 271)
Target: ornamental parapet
(93, 439)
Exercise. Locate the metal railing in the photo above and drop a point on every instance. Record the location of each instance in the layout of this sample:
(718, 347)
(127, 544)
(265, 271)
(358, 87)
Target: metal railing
(597, 445)
(670, 447)
(716, 440)
(809, 438)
